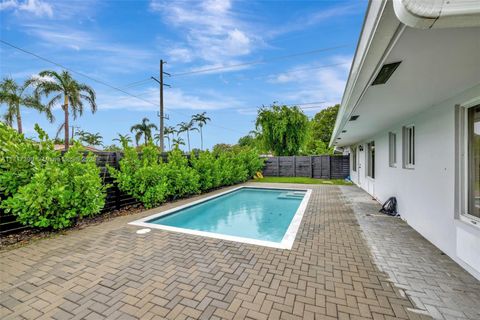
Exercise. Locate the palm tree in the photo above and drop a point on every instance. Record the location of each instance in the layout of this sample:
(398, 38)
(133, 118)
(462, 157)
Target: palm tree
(178, 142)
(186, 127)
(167, 131)
(15, 96)
(201, 119)
(124, 139)
(74, 94)
(143, 129)
(92, 139)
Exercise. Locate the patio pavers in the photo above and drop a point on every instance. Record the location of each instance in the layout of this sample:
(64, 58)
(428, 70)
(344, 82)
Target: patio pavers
(109, 271)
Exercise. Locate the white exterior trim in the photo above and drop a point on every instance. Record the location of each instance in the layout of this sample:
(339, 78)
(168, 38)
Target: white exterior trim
(286, 243)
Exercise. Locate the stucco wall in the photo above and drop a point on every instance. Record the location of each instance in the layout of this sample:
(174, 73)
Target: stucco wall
(426, 194)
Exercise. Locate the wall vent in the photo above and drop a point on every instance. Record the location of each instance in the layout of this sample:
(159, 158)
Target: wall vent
(385, 73)
(353, 118)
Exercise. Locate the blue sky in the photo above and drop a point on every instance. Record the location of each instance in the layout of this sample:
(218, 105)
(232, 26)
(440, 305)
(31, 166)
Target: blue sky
(121, 42)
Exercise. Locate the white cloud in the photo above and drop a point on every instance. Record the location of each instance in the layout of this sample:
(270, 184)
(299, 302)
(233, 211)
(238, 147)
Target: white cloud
(36, 7)
(107, 55)
(178, 54)
(310, 83)
(212, 31)
(175, 99)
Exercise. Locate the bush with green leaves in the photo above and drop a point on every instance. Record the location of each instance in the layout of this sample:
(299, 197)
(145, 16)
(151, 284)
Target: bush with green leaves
(142, 175)
(149, 180)
(58, 191)
(182, 179)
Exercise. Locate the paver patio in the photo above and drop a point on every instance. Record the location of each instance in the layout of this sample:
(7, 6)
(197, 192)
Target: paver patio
(109, 271)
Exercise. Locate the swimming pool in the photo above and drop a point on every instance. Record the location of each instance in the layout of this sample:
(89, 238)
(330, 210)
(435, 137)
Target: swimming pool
(262, 216)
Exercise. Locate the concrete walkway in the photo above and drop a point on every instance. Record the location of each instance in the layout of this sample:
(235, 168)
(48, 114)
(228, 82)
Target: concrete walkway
(433, 282)
(108, 271)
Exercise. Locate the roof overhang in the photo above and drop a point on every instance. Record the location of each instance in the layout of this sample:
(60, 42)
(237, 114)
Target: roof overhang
(436, 63)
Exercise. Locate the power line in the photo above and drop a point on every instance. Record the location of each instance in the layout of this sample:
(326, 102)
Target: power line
(258, 61)
(73, 71)
(101, 81)
(136, 83)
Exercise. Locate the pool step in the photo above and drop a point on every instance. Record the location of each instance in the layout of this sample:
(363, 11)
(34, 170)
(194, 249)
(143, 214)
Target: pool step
(291, 195)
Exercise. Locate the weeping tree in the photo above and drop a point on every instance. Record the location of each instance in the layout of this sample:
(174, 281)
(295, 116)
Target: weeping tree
(15, 96)
(64, 87)
(283, 129)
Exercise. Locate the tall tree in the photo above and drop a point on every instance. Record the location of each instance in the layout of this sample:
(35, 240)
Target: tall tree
(187, 127)
(15, 96)
(283, 129)
(320, 131)
(324, 122)
(144, 129)
(91, 139)
(167, 132)
(201, 119)
(177, 142)
(73, 93)
(124, 139)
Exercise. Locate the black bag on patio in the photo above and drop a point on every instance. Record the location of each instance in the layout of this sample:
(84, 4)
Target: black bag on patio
(390, 207)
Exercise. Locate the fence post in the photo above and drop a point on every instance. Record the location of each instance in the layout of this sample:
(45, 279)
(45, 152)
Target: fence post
(294, 166)
(329, 167)
(117, 190)
(311, 166)
(278, 166)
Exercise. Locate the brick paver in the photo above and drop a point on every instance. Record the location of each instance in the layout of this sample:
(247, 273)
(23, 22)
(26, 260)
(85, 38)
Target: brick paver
(109, 271)
(433, 282)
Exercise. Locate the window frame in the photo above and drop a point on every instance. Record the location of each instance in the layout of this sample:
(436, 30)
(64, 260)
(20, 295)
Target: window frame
(392, 149)
(354, 158)
(408, 146)
(370, 172)
(463, 154)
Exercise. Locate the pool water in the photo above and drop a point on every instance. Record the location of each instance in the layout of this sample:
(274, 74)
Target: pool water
(255, 213)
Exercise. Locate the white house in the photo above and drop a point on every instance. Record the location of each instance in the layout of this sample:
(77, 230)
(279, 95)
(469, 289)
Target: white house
(410, 118)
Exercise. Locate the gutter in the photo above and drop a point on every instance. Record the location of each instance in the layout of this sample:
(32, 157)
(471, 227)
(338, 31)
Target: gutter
(429, 14)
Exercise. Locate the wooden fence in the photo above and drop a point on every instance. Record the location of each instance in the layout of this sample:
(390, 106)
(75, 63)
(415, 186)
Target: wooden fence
(321, 167)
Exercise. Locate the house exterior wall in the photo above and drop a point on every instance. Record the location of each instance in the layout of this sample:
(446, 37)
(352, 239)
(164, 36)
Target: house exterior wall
(426, 195)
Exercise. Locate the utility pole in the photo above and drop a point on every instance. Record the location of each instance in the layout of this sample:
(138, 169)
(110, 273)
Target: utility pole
(161, 113)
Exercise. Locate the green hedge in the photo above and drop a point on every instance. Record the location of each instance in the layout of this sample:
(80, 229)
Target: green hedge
(43, 189)
(144, 176)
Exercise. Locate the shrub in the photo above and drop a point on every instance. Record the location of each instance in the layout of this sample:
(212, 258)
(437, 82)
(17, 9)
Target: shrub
(182, 179)
(19, 157)
(152, 182)
(58, 192)
(143, 177)
(205, 166)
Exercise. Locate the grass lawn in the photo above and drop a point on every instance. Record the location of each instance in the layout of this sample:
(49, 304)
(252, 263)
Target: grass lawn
(302, 180)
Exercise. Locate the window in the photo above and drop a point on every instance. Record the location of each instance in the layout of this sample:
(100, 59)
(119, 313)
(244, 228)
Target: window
(392, 149)
(371, 160)
(354, 158)
(409, 147)
(473, 166)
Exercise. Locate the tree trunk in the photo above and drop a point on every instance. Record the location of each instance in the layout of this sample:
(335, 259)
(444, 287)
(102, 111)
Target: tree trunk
(201, 139)
(19, 120)
(188, 139)
(66, 127)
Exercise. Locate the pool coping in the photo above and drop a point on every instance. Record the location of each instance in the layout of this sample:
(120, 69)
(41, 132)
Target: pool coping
(287, 240)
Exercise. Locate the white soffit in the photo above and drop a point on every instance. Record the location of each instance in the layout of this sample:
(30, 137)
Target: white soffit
(435, 66)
